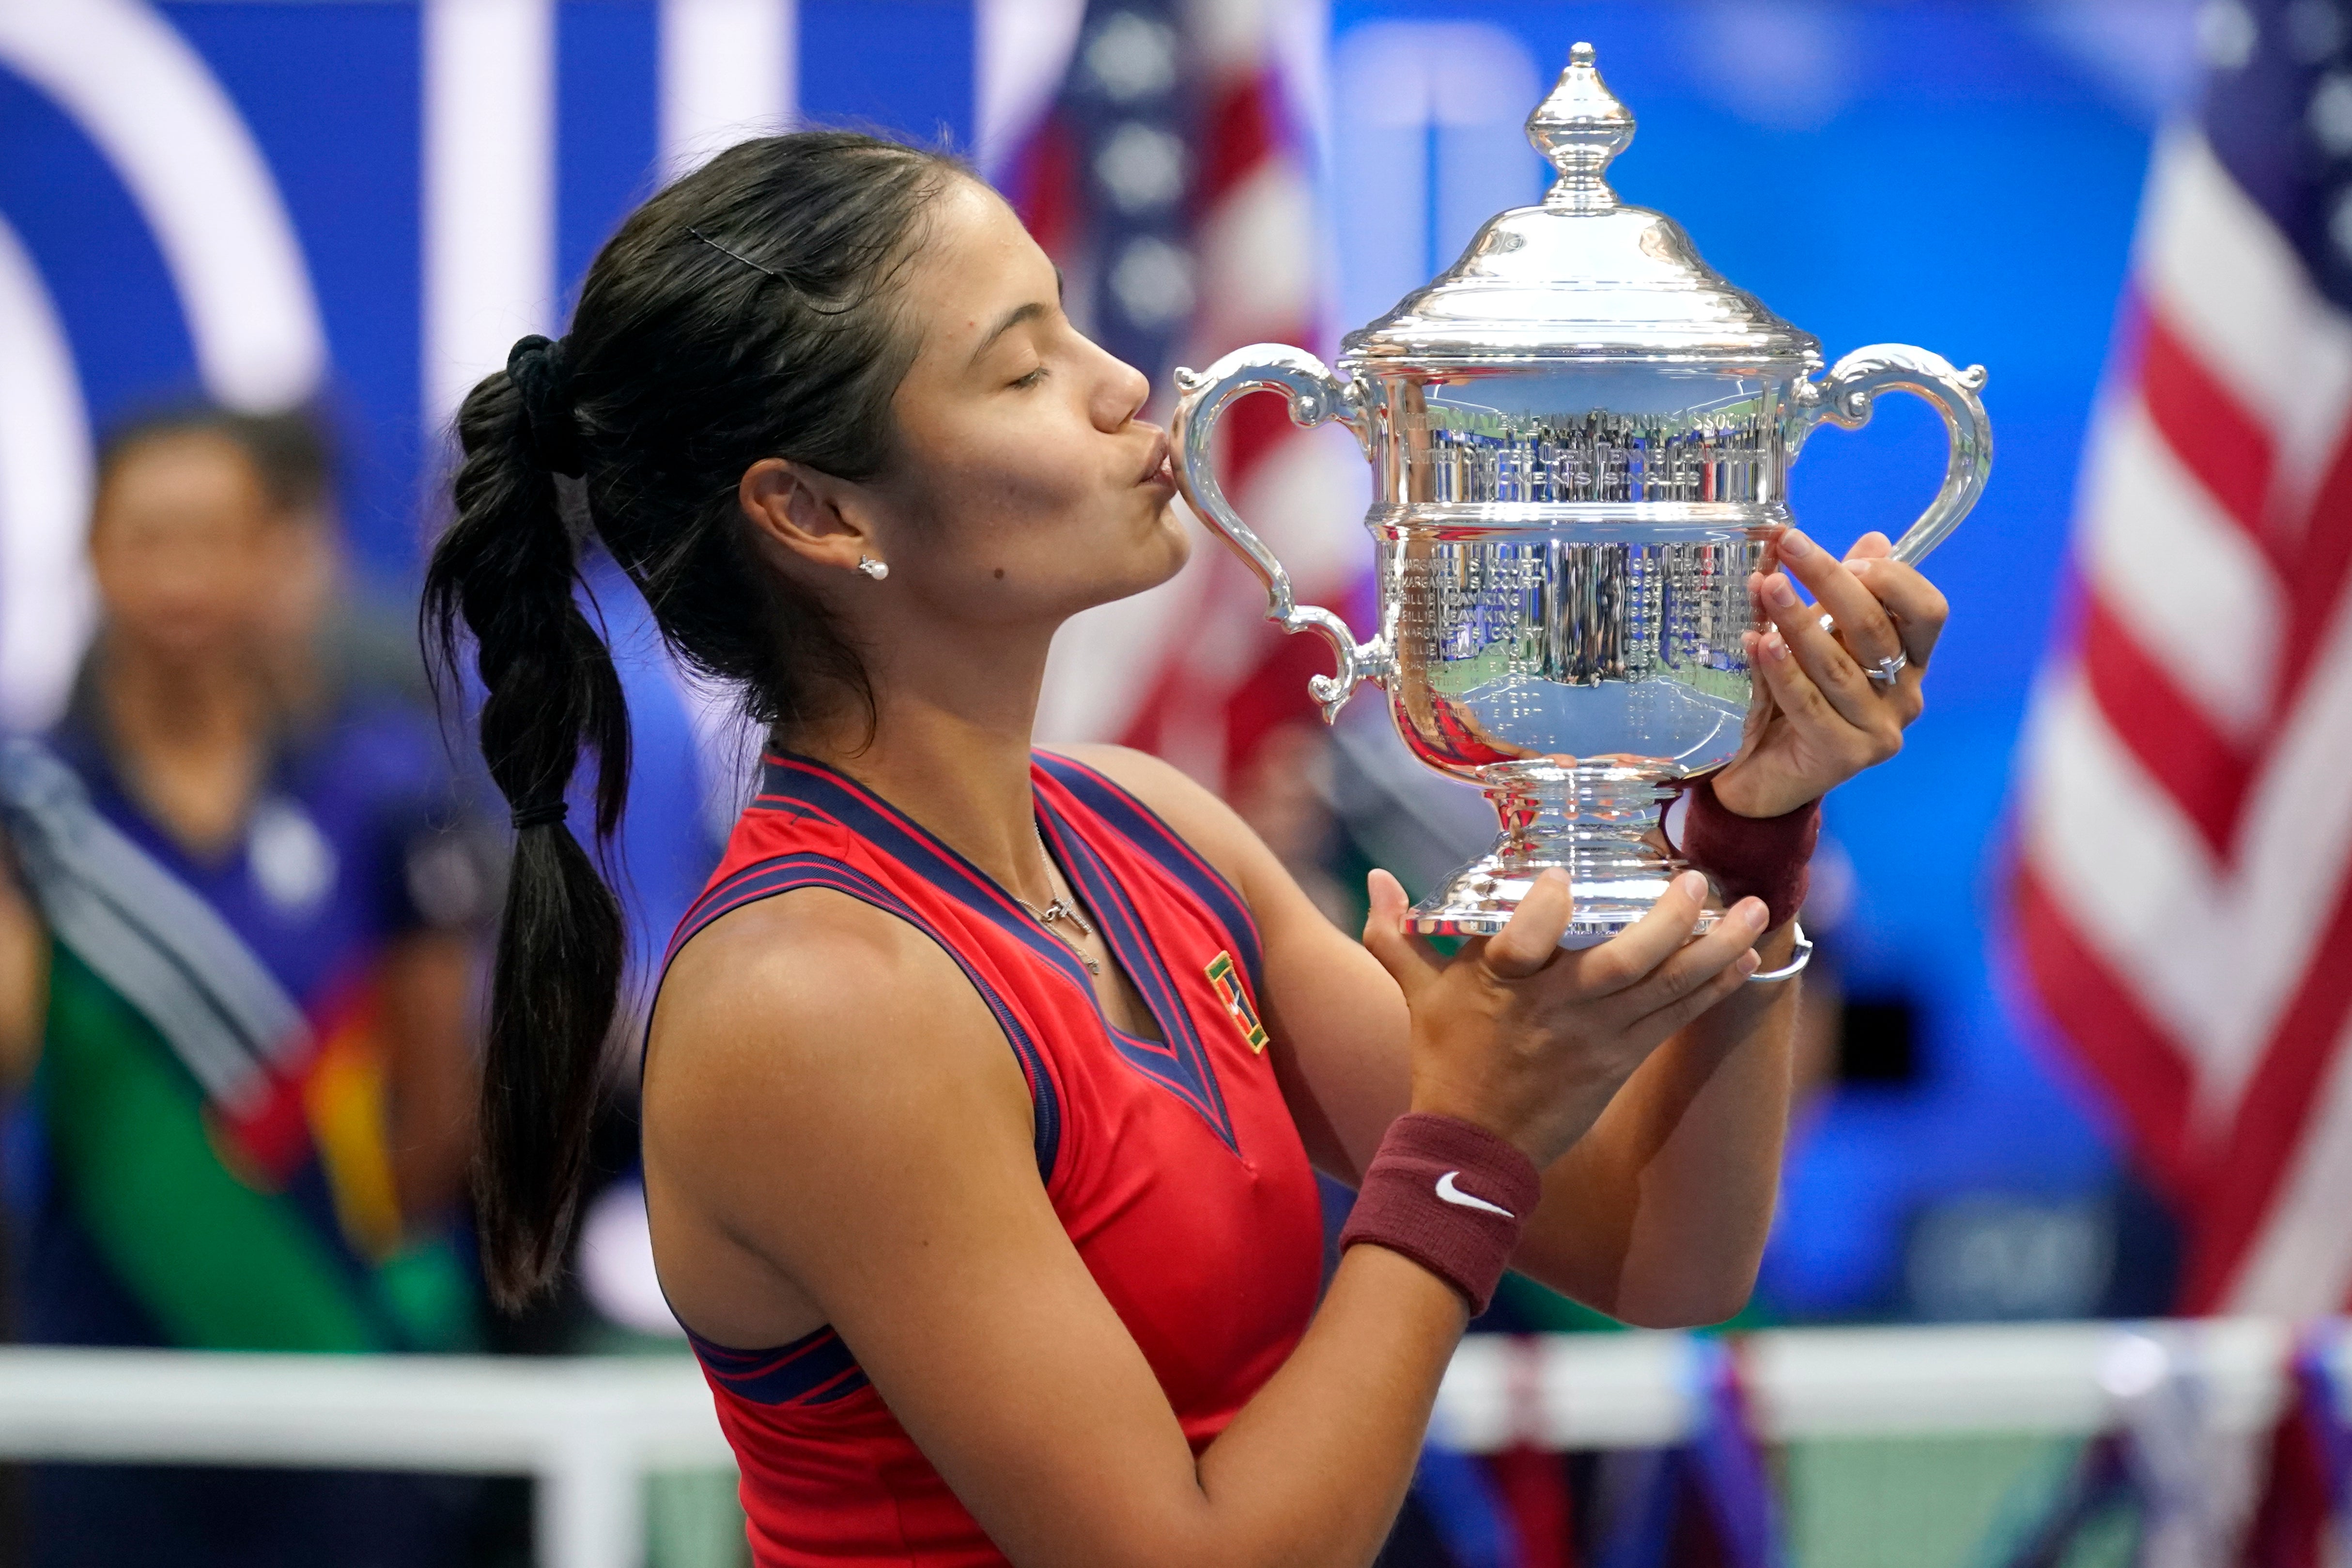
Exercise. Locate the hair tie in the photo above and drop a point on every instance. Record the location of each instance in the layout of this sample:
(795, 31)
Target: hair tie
(540, 369)
(541, 814)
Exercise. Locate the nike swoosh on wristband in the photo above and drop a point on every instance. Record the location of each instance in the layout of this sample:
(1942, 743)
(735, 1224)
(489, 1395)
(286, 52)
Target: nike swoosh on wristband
(1454, 1195)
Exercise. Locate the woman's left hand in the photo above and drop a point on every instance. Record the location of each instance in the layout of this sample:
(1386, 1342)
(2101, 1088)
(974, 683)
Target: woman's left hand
(1820, 720)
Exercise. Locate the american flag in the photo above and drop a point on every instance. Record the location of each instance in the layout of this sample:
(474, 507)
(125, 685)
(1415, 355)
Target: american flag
(1172, 176)
(2184, 890)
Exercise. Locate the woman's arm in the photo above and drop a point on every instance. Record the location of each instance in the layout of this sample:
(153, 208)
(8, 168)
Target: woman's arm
(1675, 1186)
(1688, 1160)
(836, 1132)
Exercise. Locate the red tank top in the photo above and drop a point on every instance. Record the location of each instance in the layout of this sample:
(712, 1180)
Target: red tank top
(1174, 1166)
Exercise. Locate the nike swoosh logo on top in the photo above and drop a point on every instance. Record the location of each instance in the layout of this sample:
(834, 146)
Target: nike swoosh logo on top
(1454, 1195)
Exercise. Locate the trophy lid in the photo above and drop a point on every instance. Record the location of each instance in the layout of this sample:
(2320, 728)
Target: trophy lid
(1580, 277)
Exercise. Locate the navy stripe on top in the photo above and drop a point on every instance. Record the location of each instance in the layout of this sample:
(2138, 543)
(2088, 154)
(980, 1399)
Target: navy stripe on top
(825, 793)
(1178, 1063)
(815, 1369)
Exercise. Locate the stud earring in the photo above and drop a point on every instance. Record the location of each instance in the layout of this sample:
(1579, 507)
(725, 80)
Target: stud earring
(876, 569)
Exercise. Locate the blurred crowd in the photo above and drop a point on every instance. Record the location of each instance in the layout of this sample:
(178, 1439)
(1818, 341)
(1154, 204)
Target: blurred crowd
(247, 794)
(242, 920)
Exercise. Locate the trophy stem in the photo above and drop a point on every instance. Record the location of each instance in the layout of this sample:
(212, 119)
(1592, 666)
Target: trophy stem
(1593, 822)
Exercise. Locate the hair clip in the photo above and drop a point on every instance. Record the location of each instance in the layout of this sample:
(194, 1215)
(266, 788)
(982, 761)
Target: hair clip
(735, 254)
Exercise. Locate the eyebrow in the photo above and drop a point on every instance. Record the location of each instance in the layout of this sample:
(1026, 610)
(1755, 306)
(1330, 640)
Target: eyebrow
(1011, 318)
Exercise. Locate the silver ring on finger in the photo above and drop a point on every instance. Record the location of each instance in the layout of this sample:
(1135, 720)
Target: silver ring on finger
(1883, 673)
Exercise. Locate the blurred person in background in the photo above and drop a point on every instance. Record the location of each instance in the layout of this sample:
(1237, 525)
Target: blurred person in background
(234, 984)
(330, 644)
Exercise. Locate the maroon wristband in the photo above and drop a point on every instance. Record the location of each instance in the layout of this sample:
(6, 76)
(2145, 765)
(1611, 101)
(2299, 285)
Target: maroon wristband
(1449, 1195)
(1769, 858)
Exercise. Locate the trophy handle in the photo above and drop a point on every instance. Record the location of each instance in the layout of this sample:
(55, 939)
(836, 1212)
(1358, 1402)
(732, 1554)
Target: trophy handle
(1844, 397)
(1316, 396)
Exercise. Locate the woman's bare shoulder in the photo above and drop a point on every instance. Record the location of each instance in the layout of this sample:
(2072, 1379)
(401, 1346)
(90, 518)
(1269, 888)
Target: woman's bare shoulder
(811, 1011)
(817, 1070)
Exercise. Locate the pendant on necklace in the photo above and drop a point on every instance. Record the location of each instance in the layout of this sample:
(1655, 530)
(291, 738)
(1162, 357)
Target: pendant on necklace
(1060, 909)
(1063, 909)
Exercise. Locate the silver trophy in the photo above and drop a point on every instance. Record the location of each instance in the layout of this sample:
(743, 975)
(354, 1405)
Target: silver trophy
(1580, 438)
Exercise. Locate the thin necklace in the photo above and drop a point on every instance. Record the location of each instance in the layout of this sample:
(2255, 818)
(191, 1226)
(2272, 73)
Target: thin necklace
(1060, 909)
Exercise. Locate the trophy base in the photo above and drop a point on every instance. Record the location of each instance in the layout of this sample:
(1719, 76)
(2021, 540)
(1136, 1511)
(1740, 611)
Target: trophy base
(1593, 822)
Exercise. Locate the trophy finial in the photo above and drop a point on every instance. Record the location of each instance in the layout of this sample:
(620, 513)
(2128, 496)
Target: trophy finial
(1580, 127)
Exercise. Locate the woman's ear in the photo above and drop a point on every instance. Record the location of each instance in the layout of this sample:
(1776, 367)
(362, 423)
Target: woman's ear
(810, 515)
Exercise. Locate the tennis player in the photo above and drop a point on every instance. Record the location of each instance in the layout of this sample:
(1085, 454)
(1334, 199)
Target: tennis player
(986, 1084)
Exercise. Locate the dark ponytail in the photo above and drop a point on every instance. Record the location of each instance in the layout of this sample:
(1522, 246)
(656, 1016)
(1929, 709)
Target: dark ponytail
(745, 312)
(507, 569)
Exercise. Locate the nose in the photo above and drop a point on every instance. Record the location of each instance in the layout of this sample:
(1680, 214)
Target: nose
(1120, 393)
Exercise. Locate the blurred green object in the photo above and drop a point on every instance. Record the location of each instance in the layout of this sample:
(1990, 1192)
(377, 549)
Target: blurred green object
(1935, 1502)
(1546, 1311)
(692, 1517)
(692, 1520)
(221, 1263)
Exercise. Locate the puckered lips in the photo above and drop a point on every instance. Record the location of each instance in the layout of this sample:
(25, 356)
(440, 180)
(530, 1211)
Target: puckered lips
(1157, 471)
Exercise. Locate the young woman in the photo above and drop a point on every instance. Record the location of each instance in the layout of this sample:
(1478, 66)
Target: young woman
(982, 1089)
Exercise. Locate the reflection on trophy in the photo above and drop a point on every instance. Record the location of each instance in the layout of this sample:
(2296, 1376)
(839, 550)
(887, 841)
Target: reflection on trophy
(1579, 437)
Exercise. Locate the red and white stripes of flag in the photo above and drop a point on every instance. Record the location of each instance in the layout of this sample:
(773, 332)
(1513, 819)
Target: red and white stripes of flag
(2184, 886)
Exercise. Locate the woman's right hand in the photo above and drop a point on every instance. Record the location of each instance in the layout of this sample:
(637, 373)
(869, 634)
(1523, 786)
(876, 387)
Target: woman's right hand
(1532, 1041)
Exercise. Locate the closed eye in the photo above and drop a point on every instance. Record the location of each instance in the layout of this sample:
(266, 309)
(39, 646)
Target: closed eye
(1032, 379)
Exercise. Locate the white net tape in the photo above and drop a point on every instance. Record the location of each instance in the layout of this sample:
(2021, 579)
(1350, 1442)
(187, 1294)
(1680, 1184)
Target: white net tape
(1899, 1446)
